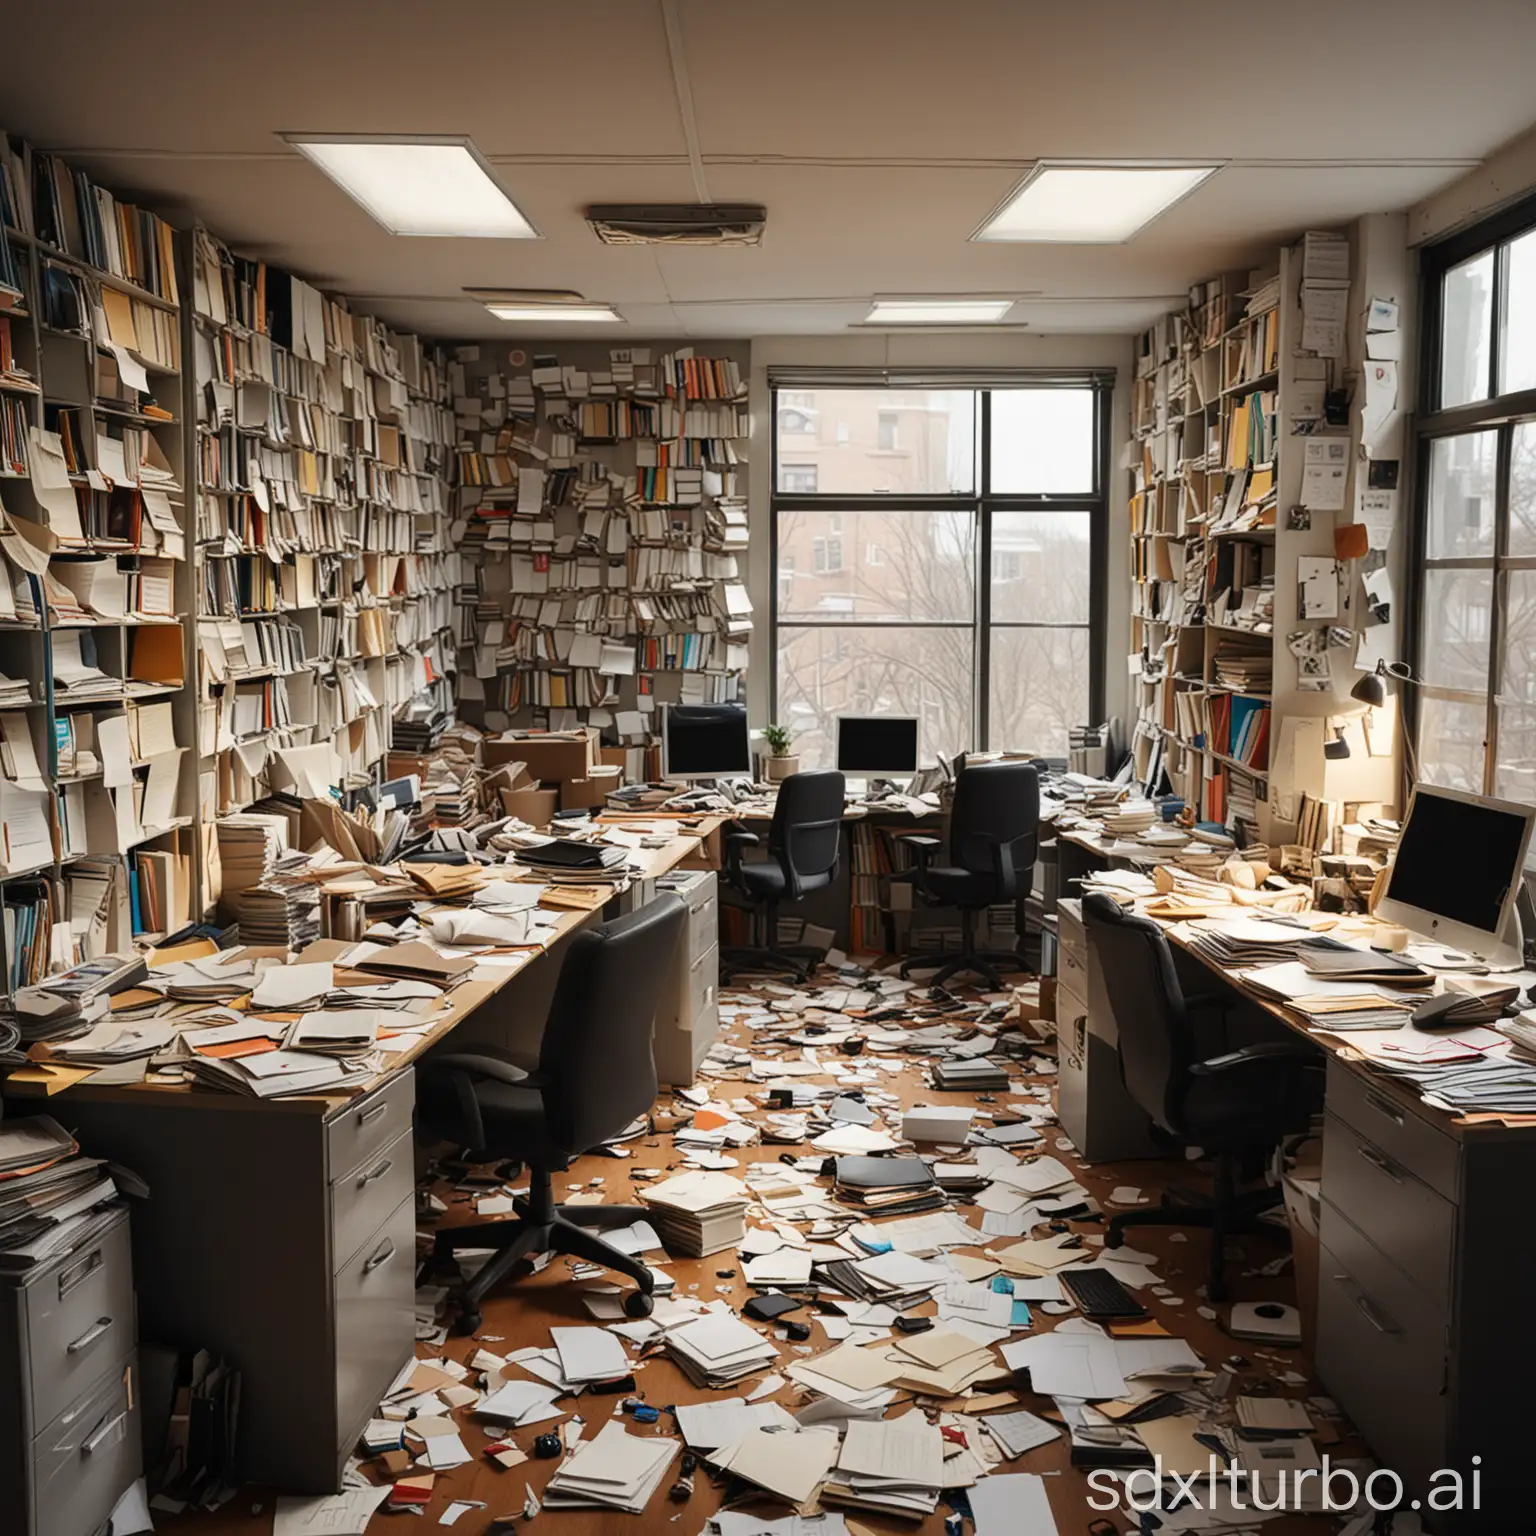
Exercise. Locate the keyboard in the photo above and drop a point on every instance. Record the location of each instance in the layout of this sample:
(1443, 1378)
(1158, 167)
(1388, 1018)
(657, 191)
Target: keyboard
(1098, 1294)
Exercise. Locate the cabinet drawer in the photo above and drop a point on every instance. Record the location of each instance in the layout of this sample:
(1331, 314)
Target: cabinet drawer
(77, 1318)
(1069, 930)
(375, 1305)
(362, 1199)
(1071, 1025)
(1406, 1137)
(1403, 1217)
(1072, 973)
(1381, 1351)
(703, 979)
(704, 924)
(85, 1460)
(364, 1128)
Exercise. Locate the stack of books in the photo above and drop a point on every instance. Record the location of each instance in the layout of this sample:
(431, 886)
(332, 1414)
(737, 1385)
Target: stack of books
(970, 1074)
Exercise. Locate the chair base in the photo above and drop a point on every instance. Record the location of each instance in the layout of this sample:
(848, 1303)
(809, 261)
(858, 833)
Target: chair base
(1224, 1213)
(986, 963)
(756, 961)
(541, 1226)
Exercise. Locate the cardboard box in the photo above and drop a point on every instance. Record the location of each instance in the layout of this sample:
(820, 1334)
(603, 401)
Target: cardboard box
(709, 851)
(535, 806)
(551, 759)
(614, 757)
(590, 793)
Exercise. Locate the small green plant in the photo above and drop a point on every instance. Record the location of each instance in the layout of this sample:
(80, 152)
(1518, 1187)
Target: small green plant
(778, 738)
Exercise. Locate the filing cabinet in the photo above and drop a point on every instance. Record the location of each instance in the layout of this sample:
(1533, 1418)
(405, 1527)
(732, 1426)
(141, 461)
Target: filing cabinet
(687, 1018)
(1100, 1118)
(281, 1236)
(70, 1444)
(1427, 1253)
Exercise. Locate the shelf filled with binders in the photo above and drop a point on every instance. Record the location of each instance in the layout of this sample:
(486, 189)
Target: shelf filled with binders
(95, 720)
(326, 577)
(600, 508)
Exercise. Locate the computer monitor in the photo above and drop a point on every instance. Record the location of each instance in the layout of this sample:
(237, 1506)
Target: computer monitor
(1457, 875)
(877, 746)
(705, 741)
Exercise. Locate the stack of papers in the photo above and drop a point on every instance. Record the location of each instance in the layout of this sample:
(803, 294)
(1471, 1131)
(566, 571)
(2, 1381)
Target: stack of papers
(589, 1354)
(612, 1471)
(790, 1465)
(895, 1186)
(699, 1213)
(894, 1465)
(720, 1349)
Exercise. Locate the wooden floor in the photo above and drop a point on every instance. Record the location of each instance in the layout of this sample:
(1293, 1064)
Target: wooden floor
(522, 1315)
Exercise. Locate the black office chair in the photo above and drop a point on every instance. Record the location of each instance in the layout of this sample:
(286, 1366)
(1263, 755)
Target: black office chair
(803, 841)
(1240, 1105)
(994, 836)
(596, 1073)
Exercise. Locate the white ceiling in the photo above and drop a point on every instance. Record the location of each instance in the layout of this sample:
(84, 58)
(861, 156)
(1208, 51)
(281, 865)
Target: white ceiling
(879, 133)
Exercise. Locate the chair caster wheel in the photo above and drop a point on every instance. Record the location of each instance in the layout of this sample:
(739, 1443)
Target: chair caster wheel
(466, 1323)
(1114, 1239)
(639, 1304)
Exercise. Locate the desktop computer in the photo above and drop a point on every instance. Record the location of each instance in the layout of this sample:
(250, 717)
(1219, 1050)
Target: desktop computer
(705, 741)
(877, 747)
(1459, 871)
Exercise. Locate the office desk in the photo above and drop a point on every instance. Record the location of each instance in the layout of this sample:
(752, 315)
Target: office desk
(1426, 1280)
(282, 1233)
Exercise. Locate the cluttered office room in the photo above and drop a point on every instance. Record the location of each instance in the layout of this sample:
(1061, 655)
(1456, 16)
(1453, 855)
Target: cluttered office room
(767, 770)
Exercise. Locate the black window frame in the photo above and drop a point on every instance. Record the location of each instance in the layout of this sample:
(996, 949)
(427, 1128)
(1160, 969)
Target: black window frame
(984, 503)
(1498, 413)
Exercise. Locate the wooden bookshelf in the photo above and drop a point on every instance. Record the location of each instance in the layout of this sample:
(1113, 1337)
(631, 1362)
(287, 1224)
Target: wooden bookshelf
(601, 514)
(325, 574)
(1229, 709)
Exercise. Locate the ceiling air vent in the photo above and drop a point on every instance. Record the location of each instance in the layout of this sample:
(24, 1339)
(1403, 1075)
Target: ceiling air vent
(678, 223)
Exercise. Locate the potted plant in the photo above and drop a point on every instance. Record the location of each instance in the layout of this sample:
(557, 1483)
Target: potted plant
(782, 763)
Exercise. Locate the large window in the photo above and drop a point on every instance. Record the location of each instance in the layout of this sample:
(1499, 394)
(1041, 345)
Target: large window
(977, 606)
(1476, 597)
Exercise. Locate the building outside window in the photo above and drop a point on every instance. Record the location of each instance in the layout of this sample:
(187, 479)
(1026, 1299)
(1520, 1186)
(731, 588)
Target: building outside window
(978, 604)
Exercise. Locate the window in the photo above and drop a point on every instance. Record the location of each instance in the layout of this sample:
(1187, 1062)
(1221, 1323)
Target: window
(1476, 581)
(797, 423)
(977, 606)
(799, 478)
(826, 555)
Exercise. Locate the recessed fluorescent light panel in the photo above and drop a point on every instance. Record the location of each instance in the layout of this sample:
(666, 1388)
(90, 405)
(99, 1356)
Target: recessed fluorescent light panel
(419, 186)
(937, 311)
(530, 306)
(1088, 203)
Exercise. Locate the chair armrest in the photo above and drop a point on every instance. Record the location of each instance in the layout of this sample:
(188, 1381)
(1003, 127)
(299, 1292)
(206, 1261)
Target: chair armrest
(923, 847)
(482, 1066)
(1310, 1056)
(736, 840)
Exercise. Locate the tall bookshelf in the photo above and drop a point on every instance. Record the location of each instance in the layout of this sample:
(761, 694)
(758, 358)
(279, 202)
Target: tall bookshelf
(326, 576)
(174, 659)
(602, 519)
(1231, 701)
(95, 850)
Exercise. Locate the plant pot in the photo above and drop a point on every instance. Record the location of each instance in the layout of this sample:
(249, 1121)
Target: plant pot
(780, 767)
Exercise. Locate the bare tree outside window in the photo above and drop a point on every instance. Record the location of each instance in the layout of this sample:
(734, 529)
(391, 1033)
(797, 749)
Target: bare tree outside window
(911, 629)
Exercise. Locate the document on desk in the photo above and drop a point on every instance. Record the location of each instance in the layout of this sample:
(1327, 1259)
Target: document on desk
(1011, 1504)
(589, 1354)
(907, 1450)
(293, 986)
(708, 1426)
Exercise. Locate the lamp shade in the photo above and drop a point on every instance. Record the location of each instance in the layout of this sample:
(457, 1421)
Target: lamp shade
(1371, 689)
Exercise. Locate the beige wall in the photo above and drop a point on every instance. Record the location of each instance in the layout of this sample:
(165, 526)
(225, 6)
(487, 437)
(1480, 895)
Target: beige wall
(1505, 176)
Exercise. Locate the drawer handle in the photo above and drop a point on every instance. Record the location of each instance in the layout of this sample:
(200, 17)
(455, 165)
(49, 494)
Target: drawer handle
(88, 1447)
(366, 1179)
(365, 1115)
(1372, 1316)
(90, 1336)
(80, 1270)
(1379, 1162)
(383, 1256)
(1385, 1106)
